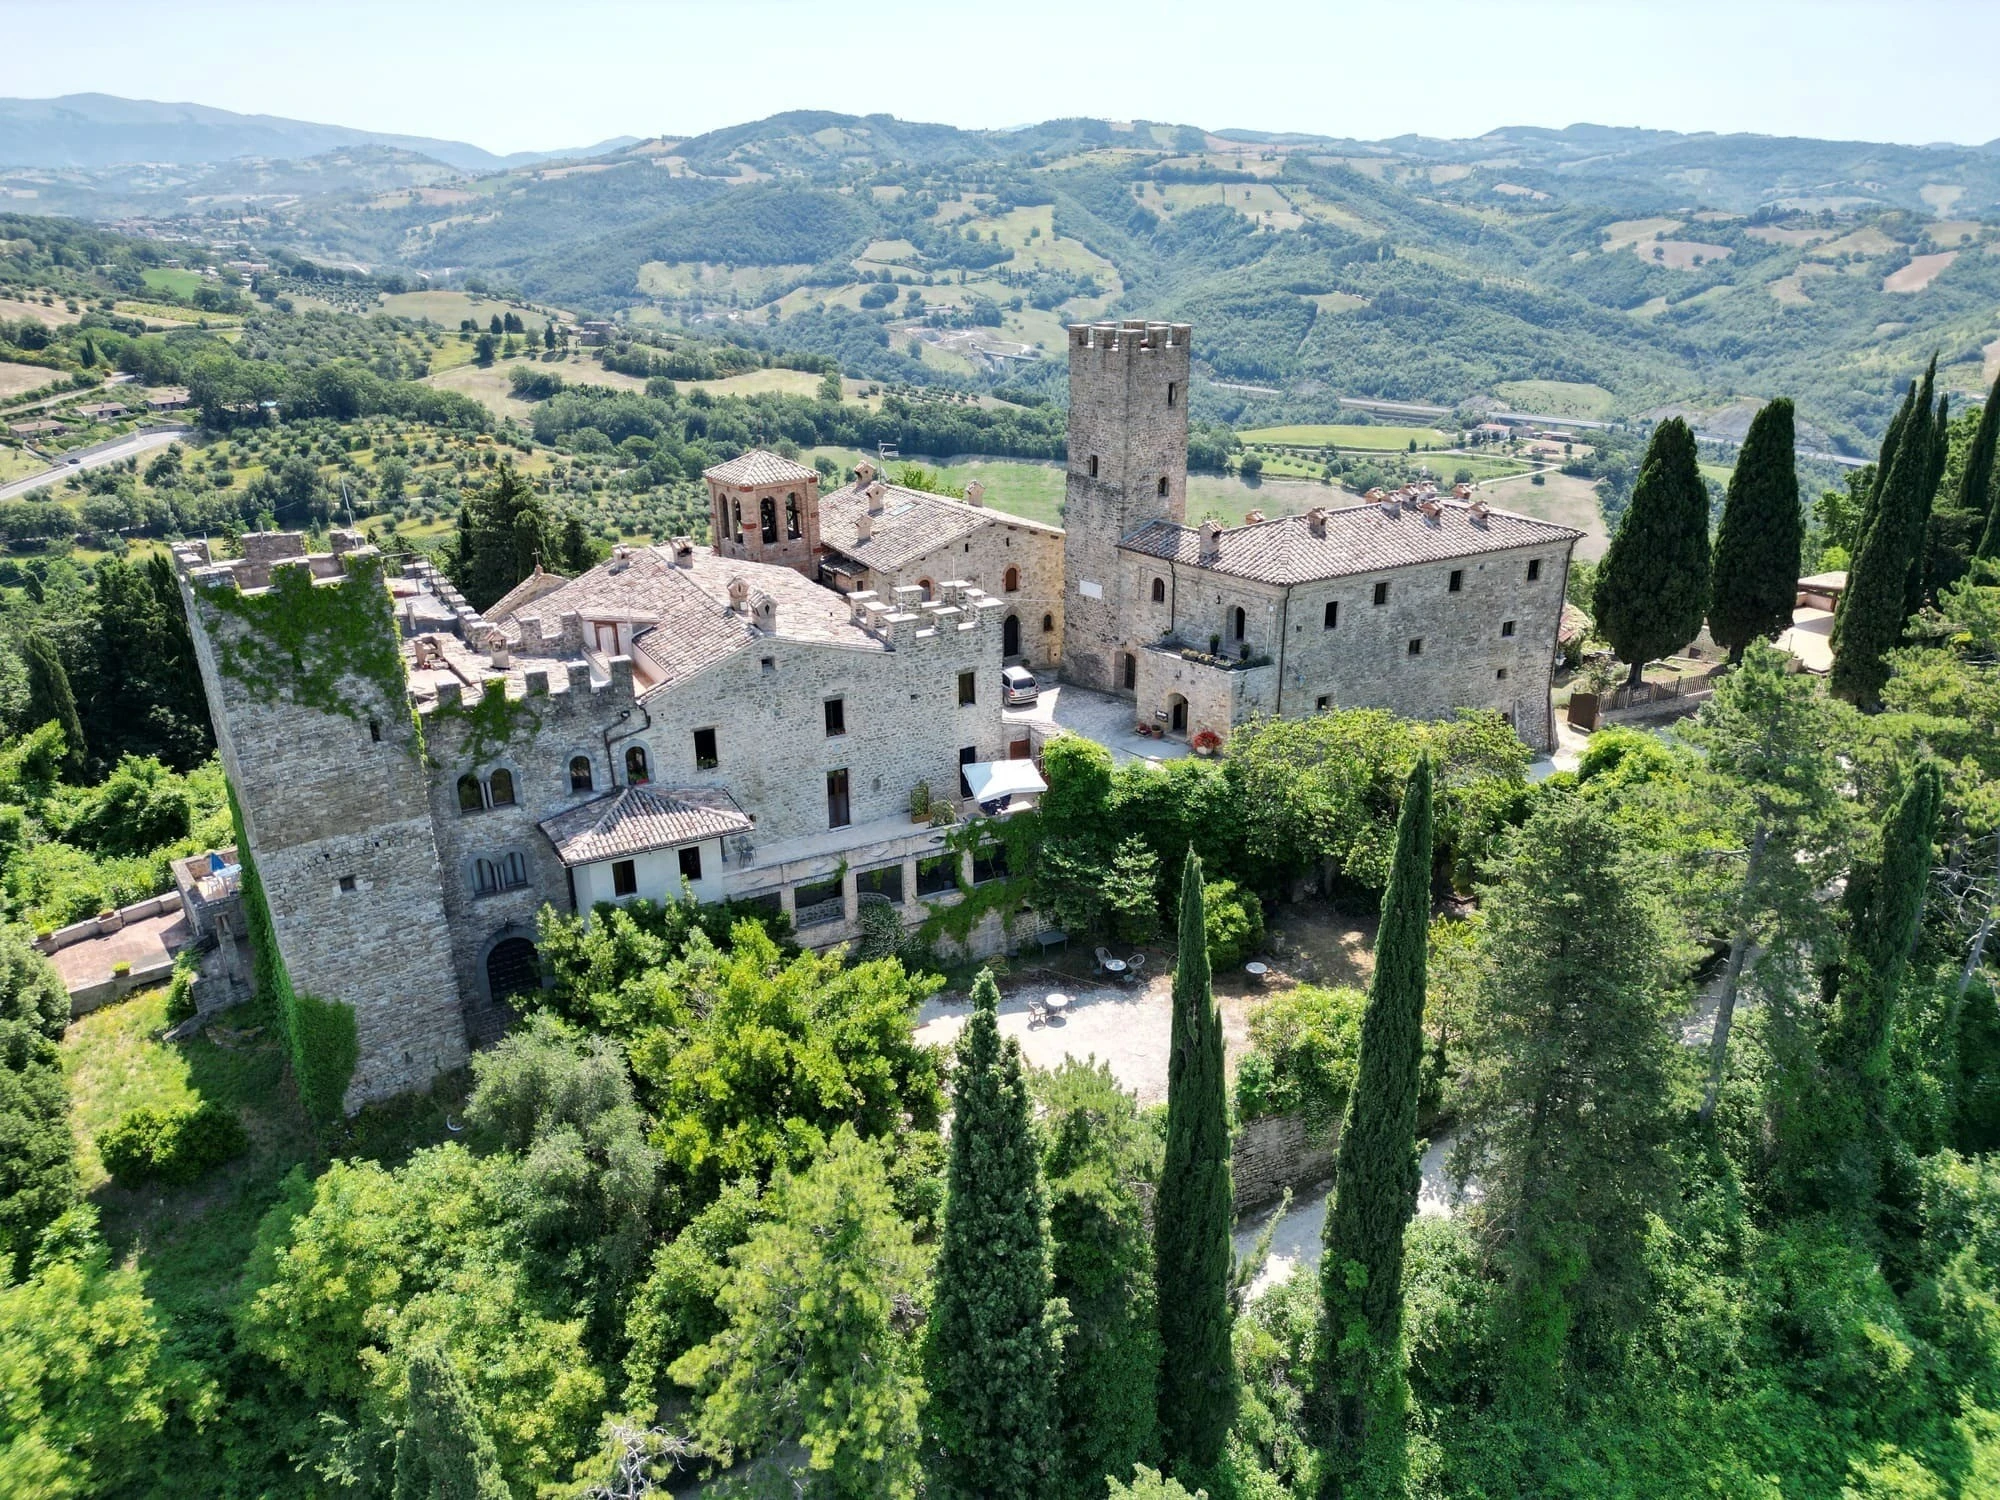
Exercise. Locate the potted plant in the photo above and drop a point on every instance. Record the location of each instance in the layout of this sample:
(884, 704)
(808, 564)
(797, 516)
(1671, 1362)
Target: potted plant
(920, 802)
(943, 814)
(1206, 742)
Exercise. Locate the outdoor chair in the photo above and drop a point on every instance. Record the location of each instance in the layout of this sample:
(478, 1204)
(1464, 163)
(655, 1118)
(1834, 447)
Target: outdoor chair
(1038, 1010)
(1104, 960)
(1133, 965)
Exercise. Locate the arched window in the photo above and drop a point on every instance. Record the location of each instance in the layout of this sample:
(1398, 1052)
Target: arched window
(485, 877)
(926, 585)
(793, 529)
(1237, 621)
(513, 870)
(1159, 591)
(767, 519)
(736, 520)
(500, 785)
(469, 799)
(1163, 484)
(636, 771)
(579, 773)
(1012, 583)
(1048, 624)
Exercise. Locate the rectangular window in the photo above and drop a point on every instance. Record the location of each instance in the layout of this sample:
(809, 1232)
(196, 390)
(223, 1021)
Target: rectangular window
(1501, 675)
(836, 717)
(1332, 614)
(989, 862)
(1457, 583)
(837, 811)
(767, 664)
(1322, 703)
(1534, 569)
(705, 757)
(347, 882)
(1382, 592)
(624, 878)
(691, 862)
(1416, 645)
(937, 875)
(1173, 391)
(966, 756)
(817, 902)
(885, 881)
(968, 688)
(1506, 628)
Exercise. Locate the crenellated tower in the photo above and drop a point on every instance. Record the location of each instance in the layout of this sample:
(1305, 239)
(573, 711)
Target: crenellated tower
(1128, 432)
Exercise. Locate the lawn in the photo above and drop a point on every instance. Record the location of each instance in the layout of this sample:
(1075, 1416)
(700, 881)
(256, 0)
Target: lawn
(174, 281)
(1562, 498)
(1557, 398)
(191, 1241)
(488, 384)
(449, 309)
(18, 463)
(1374, 438)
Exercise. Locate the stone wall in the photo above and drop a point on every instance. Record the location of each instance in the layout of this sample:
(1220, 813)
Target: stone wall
(1128, 429)
(1275, 1153)
(336, 809)
(982, 559)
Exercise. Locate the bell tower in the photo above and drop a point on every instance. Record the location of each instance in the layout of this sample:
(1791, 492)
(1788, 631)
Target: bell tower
(763, 508)
(1128, 431)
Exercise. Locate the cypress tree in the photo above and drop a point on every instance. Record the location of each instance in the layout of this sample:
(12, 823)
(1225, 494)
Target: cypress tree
(1192, 1256)
(1975, 488)
(1870, 622)
(49, 697)
(993, 1348)
(1376, 1177)
(1756, 573)
(1885, 929)
(1652, 587)
(443, 1453)
(1916, 583)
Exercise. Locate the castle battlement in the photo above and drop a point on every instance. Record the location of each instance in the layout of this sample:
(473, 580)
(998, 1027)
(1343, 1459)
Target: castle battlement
(1132, 337)
(959, 614)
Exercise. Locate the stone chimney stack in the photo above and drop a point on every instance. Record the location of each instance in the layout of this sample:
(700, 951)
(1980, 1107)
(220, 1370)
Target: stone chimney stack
(1211, 538)
(975, 493)
(864, 473)
(864, 526)
(764, 611)
(1316, 520)
(739, 593)
(876, 493)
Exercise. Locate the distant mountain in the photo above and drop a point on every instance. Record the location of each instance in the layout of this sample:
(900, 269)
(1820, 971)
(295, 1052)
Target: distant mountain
(102, 130)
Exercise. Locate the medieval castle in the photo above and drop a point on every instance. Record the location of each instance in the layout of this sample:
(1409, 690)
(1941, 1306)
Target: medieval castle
(766, 717)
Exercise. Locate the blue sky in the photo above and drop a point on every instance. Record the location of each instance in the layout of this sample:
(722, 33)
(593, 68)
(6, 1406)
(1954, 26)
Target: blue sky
(511, 75)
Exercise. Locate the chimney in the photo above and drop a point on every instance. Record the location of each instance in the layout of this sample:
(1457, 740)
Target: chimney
(1316, 520)
(1211, 538)
(864, 526)
(739, 592)
(975, 493)
(876, 492)
(683, 551)
(764, 611)
(1480, 509)
(864, 473)
(1255, 518)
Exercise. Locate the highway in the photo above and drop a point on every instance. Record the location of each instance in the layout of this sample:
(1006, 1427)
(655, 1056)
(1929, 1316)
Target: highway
(129, 446)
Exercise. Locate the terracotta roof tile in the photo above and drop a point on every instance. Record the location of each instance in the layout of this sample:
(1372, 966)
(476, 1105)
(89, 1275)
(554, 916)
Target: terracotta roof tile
(1357, 539)
(759, 467)
(910, 524)
(636, 819)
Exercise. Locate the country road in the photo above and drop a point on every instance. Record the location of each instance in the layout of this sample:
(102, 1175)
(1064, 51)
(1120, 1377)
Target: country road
(129, 446)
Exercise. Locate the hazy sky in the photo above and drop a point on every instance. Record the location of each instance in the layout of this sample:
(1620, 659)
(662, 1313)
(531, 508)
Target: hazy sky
(513, 75)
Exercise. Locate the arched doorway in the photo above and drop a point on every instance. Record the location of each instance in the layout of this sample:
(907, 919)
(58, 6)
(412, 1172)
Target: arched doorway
(1010, 636)
(513, 968)
(1177, 714)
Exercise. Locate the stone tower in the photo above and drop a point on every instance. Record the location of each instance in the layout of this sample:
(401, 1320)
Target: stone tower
(306, 691)
(764, 508)
(1128, 429)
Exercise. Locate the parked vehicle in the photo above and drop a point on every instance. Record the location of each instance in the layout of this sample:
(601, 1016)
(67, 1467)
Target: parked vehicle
(1018, 687)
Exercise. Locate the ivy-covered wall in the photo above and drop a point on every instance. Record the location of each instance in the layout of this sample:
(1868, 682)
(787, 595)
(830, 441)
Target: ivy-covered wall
(300, 641)
(319, 1034)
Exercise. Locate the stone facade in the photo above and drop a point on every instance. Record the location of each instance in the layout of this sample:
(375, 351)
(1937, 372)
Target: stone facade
(883, 537)
(1128, 429)
(763, 508)
(336, 809)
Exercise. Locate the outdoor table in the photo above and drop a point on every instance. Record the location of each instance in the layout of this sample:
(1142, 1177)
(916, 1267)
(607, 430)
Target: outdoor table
(1051, 938)
(1114, 966)
(1256, 970)
(1057, 1003)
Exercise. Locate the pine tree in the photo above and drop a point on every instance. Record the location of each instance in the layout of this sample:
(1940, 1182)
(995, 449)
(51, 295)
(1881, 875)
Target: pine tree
(993, 1347)
(503, 533)
(1192, 1255)
(1652, 587)
(50, 698)
(443, 1453)
(1375, 1179)
(1872, 613)
(1756, 571)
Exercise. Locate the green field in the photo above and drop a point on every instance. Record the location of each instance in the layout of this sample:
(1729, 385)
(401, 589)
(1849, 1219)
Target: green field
(175, 282)
(1558, 398)
(1380, 439)
(449, 309)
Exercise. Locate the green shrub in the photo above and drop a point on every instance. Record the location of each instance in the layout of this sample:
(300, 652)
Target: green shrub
(175, 1146)
(180, 989)
(1304, 1046)
(1235, 923)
